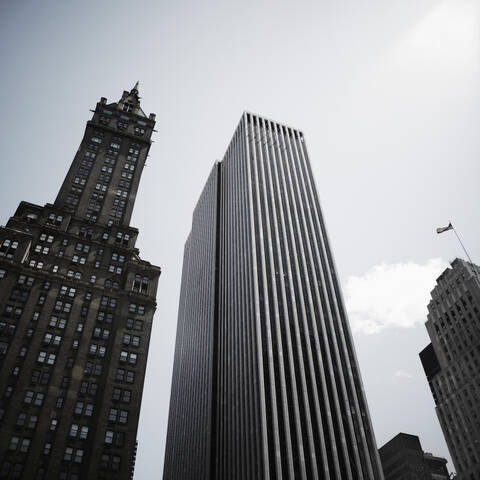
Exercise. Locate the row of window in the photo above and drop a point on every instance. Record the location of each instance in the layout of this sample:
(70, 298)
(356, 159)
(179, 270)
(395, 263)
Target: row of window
(8, 248)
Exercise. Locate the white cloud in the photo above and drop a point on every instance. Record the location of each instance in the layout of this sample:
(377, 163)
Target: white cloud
(391, 295)
(403, 374)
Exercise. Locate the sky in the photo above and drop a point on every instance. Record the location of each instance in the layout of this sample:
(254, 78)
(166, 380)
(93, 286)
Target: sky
(386, 94)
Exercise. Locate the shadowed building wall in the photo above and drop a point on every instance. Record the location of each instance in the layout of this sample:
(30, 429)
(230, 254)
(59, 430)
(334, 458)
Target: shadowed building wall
(403, 459)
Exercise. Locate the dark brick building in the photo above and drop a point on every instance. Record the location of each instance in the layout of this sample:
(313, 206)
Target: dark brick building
(76, 306)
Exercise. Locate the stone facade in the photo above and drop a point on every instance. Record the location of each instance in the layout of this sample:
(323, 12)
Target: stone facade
(76, 306)
(452, 363)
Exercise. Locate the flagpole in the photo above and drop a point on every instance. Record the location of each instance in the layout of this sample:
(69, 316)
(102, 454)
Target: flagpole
(461, 243)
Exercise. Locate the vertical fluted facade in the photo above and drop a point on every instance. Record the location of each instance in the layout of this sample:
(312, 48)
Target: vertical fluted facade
(282, 392)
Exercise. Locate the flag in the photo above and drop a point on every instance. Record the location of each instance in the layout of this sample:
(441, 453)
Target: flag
(444, 229)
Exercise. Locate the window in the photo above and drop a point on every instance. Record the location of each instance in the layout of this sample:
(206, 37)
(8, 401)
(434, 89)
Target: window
(68, 454)
(47, 448)
(67, 291)
(8, 248)
(88, 409)
(25, 445)
(53, 424)
(112, 415)
(57, 322)
(39, 397)
(79, 408)
(97, 350)
(7, 393)
(59, 403)
(127, 396)
(123, 416)
(101, 333)
(48, 358)
(129, 357)
(108, 437)
(140, 284)
(35, 264)
(116, 394)
(83, 387)
(80, 431)
(29, 397)
(104, 316)
(14, 441)
(12, 312)
(32, 422)
(82, 408)
(109, 302)
(110, 462)
(3, 273)
(21, 419)
(3, 347)
(49, 338)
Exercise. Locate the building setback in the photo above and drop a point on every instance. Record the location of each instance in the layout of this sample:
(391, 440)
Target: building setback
(403, 459)
(266, 382)
(452, 363)
(76, 306)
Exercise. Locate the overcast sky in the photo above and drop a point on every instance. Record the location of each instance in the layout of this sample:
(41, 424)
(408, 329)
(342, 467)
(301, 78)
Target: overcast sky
(386, 93)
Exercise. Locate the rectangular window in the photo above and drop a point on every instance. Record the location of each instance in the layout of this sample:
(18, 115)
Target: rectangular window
(25, 445)
(108, 438)
(39, 397)
(32, 422)
(14, 441)
(123, 417)
(73, 430)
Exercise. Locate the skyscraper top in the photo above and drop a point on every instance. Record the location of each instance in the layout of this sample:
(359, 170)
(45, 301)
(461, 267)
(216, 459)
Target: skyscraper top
(130, 102)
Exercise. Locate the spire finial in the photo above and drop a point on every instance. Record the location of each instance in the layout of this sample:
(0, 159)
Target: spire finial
(135, 87)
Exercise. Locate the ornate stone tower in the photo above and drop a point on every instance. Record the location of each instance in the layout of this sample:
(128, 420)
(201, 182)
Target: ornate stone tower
(76, 305)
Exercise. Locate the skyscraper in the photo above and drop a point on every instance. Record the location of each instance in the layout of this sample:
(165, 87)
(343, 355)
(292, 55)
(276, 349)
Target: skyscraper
(404, 459)
(76, 305)
(266, 382)
(452, 363)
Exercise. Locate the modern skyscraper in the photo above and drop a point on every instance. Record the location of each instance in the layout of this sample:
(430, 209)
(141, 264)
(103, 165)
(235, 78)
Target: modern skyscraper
(266, 383)
(452, 363)
(404, 459)
(76, 304)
